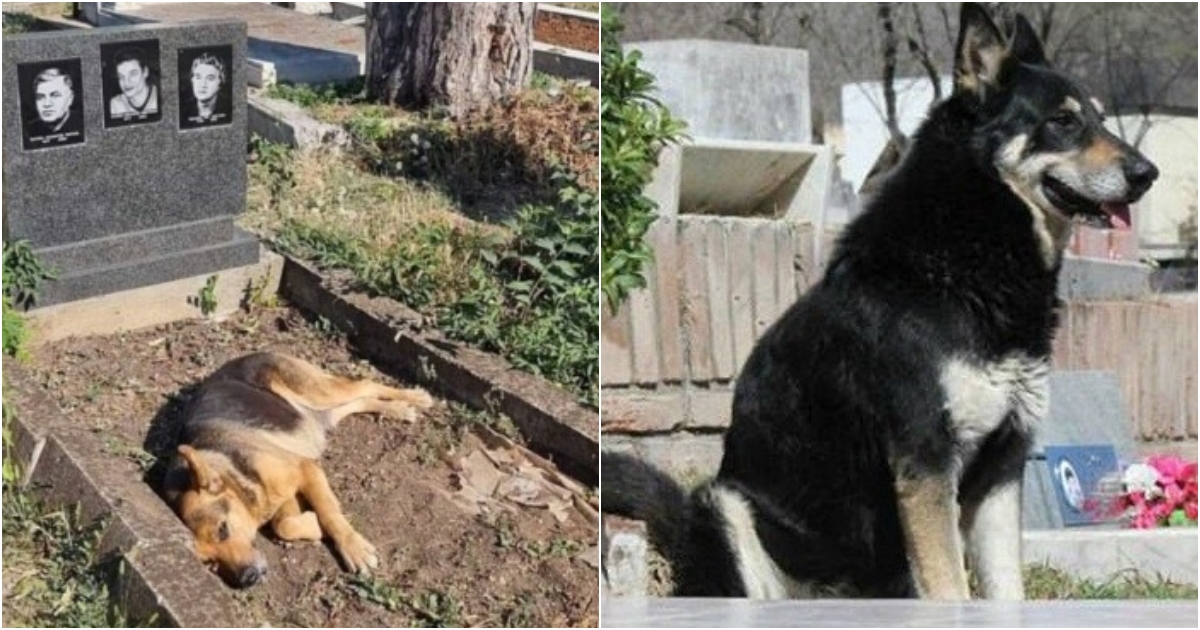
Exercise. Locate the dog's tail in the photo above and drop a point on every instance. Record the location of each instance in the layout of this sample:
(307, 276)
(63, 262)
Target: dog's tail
(634, 489)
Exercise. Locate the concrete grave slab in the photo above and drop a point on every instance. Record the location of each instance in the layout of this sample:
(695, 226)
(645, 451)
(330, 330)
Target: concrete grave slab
(681, 612)
(731, 91)
(136, 204)
(751, 178)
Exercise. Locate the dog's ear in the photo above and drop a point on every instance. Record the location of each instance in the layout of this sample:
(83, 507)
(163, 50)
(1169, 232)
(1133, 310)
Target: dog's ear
(203, 478)
(981, 57)
(1026, 46)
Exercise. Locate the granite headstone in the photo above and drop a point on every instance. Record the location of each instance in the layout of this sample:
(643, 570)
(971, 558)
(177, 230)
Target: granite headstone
(1085, 409)
(124, 153)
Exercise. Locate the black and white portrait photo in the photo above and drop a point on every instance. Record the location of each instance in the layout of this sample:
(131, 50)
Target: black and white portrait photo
(51, 103)
(205, 87)
(131, 86)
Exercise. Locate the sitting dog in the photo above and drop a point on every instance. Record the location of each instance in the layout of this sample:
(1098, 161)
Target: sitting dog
(880, 427)
(253, 436)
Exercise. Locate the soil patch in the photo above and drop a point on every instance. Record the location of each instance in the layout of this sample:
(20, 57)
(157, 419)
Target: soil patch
(558, 30)
(512, 565)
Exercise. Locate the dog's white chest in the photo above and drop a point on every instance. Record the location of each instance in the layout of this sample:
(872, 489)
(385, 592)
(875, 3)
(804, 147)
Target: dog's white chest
(979, 396)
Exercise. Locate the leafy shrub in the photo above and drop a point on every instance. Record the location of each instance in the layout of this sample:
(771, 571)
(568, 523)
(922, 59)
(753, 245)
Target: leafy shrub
(634, 127)
(23, 277)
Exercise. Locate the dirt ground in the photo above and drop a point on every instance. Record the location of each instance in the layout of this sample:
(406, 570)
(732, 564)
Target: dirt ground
(560, 31)
(441, 564)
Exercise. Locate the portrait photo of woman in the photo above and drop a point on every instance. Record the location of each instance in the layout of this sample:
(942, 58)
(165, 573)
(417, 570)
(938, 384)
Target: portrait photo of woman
(131, 92)
(205, 89)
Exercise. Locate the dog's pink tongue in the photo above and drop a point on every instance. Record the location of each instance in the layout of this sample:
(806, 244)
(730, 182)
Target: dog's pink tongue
(1118, 213)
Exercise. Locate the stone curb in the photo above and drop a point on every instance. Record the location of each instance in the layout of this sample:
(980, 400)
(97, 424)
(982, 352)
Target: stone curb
(159, 577)
(550, 418)
(286, 123)
(565, 63)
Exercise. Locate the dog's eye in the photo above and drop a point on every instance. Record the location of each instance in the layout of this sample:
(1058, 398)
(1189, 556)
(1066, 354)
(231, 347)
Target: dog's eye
(223, 532)
(1064, 119)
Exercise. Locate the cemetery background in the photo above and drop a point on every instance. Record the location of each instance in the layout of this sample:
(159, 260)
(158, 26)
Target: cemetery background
(767, 185)
(444, 566)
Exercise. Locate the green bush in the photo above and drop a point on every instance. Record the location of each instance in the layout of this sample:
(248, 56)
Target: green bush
(634, 128)
(23, 277)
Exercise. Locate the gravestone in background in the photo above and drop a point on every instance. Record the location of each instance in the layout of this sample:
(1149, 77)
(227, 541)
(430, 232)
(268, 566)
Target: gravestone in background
(139, 181)
(1086, 409)
(730, 91)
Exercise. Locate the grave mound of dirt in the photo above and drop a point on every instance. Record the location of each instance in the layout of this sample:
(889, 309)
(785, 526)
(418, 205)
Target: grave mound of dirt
(471, 528)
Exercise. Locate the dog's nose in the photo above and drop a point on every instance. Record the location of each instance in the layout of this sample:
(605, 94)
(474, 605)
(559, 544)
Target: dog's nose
(251, 576)
(1140, 173)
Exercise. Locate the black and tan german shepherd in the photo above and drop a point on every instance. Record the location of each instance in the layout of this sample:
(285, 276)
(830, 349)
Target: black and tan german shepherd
(253, 436)
(880, 427)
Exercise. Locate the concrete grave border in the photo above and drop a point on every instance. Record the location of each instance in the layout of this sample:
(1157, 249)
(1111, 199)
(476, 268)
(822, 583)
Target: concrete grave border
(390, 334)
(160, 577)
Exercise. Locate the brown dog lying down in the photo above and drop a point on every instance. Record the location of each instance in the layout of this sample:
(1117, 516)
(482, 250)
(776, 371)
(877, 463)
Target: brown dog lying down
(253, 436)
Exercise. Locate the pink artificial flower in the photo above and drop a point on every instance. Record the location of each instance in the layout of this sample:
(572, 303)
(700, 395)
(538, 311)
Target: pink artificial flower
(1144, 520)
(1189, 509)
(1169, 467)
(1188, 477)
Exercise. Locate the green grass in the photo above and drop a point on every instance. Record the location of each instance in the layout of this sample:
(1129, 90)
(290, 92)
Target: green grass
(1045, 582)
(525, 288)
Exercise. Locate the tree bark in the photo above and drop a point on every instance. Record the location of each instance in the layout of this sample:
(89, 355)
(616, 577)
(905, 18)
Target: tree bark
(461, 56)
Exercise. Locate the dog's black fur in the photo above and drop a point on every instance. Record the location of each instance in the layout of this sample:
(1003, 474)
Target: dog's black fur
(841, 396)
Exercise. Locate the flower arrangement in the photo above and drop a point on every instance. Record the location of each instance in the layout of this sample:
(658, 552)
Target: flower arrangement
(1159, 493)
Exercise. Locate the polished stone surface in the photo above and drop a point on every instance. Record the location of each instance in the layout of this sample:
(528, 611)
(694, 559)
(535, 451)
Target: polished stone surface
(734, 613)
(136, 204)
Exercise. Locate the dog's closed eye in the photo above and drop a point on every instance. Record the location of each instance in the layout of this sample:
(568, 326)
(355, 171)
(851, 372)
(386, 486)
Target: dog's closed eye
(223, 532)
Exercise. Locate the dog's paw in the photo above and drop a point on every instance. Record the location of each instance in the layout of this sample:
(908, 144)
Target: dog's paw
(358, 554)
(408, 407)
(419, 398)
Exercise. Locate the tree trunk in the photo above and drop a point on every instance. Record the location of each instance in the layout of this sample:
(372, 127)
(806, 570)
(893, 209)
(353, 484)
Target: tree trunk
(461, 56)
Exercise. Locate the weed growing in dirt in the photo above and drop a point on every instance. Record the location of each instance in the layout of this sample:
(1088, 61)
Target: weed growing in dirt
(313, 95)
(431, 609)
(557, 547)
(442, 435)
(206, 298)
(520, 614)
(634, 127)
(258, 294)
(53, 575)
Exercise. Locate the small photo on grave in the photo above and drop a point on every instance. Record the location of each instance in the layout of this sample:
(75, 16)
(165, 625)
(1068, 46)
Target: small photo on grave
(131, 83)
(1085, 479)
(51, 103)
(205, 87)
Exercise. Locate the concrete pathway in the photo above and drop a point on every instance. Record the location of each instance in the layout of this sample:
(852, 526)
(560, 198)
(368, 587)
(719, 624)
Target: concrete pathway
(714, 613)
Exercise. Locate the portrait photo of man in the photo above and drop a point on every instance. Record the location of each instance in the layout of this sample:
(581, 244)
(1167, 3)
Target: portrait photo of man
(205, 87)
(131, 91)
(51, 103)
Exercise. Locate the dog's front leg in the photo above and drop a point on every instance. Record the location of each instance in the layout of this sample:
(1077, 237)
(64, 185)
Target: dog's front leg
(358, 554)
(993, 532)
(929, 515)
